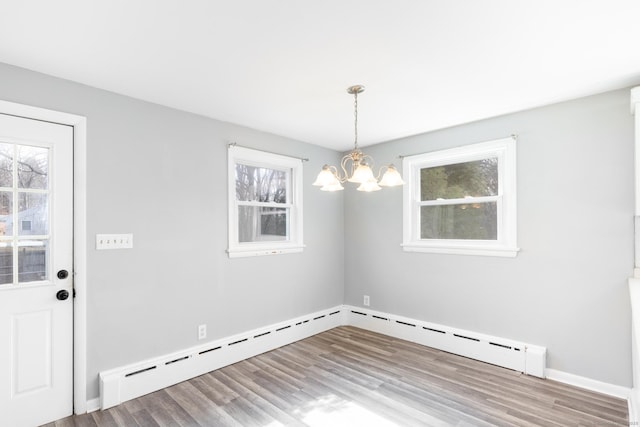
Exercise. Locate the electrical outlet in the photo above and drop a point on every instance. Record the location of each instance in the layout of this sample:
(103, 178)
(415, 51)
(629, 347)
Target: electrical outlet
(202, 332)
(366, 301)
(114, 241)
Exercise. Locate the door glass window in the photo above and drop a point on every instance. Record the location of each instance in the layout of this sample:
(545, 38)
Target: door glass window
(33, 210)
(33, 167)
(6, 165)
(32, 260)
(24, 213)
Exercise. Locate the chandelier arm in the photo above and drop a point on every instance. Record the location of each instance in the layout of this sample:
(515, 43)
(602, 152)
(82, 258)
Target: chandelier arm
(335, 173)
(369, 160)
(343, 164)
(342, 178)
(380, 171)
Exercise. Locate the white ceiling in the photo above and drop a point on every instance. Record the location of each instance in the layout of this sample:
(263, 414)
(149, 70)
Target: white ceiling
(283, 66)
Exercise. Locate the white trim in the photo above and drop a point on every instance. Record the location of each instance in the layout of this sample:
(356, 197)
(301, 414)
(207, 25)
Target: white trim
(265, 252)
(634, 297)
(93, 405)
(461, 201)
(497, 251)
(80, 264)
(635, 98)
(633, 402)
(506, 243)
(79, 124)
(588, 383)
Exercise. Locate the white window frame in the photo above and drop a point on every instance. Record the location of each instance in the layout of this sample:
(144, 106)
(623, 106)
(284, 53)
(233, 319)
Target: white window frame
(257, 158)
(506, 243)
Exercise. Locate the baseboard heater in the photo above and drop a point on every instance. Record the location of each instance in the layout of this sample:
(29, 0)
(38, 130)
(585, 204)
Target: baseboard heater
(527, 358)
(135, 380)
(131, 381)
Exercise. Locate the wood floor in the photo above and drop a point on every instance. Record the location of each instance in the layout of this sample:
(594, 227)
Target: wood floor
(351, 377)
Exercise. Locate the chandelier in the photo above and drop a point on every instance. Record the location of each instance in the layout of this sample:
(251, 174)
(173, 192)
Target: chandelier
(357, 166)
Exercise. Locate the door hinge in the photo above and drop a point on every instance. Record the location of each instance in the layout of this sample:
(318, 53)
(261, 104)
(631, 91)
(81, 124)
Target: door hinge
(74, 292)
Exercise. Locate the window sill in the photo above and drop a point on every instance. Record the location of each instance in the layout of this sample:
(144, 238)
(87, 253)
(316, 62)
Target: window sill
(496, 251)
(243, 253)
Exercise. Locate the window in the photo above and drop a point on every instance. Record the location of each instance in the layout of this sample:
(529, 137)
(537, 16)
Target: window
(462, 200)
(265, 203)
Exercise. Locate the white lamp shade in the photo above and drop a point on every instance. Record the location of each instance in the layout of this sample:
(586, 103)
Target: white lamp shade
(332, 187)
(391, 177)
(369, 186)
(325, 177)
(362, 174)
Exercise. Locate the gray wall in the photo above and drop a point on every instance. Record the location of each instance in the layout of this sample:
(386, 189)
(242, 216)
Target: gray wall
(567, 288)
(161, 174)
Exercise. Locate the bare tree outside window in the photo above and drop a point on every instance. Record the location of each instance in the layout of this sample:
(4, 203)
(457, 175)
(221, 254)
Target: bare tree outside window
(264, 188)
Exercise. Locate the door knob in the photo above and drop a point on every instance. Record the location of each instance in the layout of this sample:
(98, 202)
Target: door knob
(62, 294)
(63, 274)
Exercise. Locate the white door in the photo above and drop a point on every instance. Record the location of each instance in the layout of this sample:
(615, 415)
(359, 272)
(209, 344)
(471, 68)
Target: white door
(36, 280)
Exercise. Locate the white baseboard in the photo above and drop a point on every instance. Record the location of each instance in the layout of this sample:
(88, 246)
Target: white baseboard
(634, 401)
(589, 384)
(135, 380)
(442, 338)
(527, 358)
(93, 405)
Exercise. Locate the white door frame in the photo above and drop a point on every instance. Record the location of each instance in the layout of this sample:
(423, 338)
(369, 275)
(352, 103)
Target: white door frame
(79, 124)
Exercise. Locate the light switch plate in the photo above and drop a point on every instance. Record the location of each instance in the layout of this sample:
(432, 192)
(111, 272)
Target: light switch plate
(114, 241)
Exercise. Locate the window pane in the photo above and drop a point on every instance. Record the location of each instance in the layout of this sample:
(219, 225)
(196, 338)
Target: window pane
(33, 214)
(273, 223)
(259, 224)
(33, 167)
(6, 213)
(32, 260)
(477, 221)
(6, 165)
(260, 184)
(476, 179)
(6, 263)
